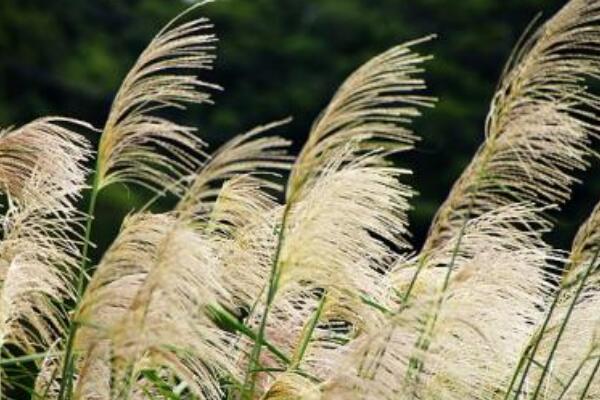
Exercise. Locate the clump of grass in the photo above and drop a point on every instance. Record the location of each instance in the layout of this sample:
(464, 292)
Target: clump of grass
(250, 289)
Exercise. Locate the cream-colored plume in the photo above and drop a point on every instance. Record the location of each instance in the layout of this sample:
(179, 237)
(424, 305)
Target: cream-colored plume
(585, 245)
(491, 301)
(340, 236)
(41, 167)
(344, 216)
(540, 123)
(141, 147)
(372, 107)
(574, 366)
(244, 221)
(48, 148)
(250, 153)
(570, 344)
(147, 302)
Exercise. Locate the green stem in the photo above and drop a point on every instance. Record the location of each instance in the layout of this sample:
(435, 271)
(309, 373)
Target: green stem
(309, 332)
(423, 342)
(88, 235)
(22, 359)
(534, 348)
(372, 303)
(227, 317)
(590, 380)
(564, 322)
(411, 286)
(524, 357)
(68, 362)
(574, 376)
(250, 380)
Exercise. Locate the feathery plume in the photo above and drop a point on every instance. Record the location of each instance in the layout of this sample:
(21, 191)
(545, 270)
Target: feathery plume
(571, 371)
(39, 251)
(490, 303)
(341, 176)
(139, 146)
(585, 244)
(569, 343)
(48, 149)
(540, 123)
(372, 107)
(243, 223)
(148, 301)
(252, 153)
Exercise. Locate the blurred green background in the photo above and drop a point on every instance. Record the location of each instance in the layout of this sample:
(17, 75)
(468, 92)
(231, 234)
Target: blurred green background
(277, 58)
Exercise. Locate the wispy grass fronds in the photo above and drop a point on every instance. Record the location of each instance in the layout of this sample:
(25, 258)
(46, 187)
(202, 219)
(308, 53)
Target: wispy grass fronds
(149, 301)
(245, 240)
(577, 353)
(334, 252)
(373, 107)
(252, 153)
(50, 149)
(540, 123)
(490, 303)
(340, 176)
(585, 244)
(569, 341)
(138, 144)
(43, 172)
(235, 294)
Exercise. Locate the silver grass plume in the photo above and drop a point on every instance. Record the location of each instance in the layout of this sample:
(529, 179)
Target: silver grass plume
(252, 153)
(371, 108)
(585, 243)
(333, 253)
(573, 370)
(243, 221)
(147, 302)
(573, 355)
(232, 198)
(539, 126)
(42, 170)
(49, 148)
(491, 302)
(220, 213)
(343, 203)
(141, 147)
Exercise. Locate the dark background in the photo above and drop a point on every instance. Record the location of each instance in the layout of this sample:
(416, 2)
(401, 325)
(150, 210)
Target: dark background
(277, 58)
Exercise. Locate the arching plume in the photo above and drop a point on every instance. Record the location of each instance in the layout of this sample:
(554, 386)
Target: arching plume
(540, 123)
(137, 144)
(42, 171)
(340, 236)
(585, 244)
(49, 149)
(343, 202)
(251, 153)
(372, 108)
(570, 342)
(148, 300)
(574, 365)
(488, 308)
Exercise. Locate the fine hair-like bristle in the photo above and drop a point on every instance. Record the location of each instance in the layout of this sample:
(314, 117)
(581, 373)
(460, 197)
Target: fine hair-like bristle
(540, 124)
